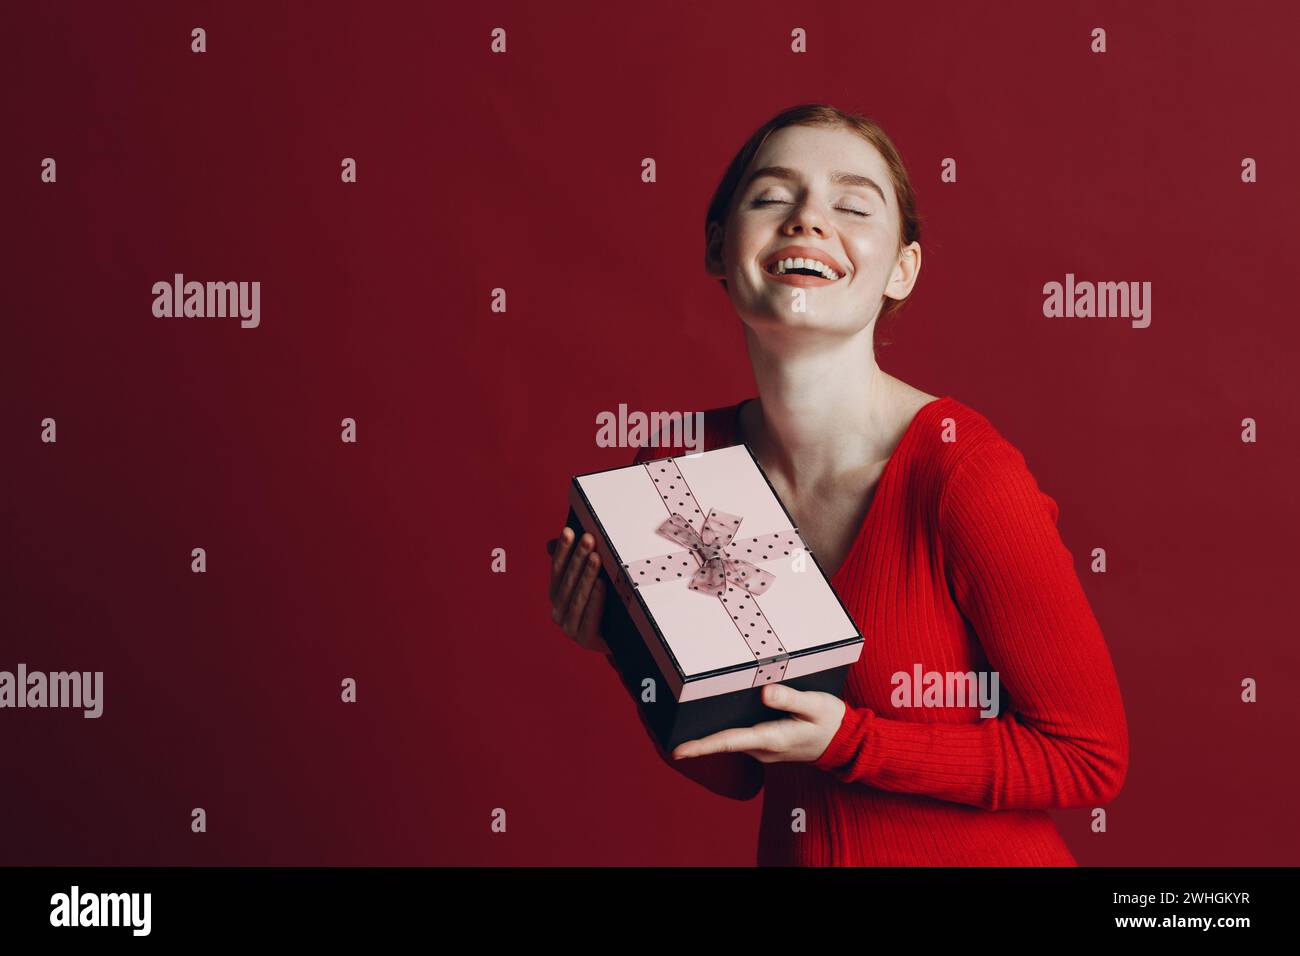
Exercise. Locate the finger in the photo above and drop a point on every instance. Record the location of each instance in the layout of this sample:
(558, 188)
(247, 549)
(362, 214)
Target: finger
(559, 557)
(581, 591)
(575, 567)
(580, 601)
(783, 697)
(735, 740)
(589, 630)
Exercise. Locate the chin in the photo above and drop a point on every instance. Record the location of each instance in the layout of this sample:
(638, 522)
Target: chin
(775, 318)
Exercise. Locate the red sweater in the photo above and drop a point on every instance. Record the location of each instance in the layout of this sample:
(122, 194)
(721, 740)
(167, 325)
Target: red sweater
(958, 567)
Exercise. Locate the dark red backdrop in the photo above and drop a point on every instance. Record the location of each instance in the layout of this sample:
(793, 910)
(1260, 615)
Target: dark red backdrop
(521, 171)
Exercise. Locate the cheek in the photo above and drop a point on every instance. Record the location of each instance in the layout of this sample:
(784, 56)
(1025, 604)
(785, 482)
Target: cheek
(741, 251)
(742, 245)
(871, 259)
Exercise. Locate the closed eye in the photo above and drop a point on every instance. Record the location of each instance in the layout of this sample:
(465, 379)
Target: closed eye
(766, 202)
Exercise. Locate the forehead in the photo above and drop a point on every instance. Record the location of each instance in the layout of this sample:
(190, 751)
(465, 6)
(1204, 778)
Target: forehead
(816, 151)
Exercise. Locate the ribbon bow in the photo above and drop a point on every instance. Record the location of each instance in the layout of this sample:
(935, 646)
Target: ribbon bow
(717, 569)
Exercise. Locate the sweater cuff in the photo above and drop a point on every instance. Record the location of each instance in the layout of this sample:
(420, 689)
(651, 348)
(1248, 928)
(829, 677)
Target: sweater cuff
(844, 745)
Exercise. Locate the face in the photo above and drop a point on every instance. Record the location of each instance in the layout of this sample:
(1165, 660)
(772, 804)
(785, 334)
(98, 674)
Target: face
(834, 205)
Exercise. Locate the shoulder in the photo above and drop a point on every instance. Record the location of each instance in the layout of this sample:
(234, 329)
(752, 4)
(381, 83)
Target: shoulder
(980, 473)
(949, 432)
(679, 433)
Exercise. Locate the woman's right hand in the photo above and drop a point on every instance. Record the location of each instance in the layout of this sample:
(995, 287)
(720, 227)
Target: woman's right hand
(577, 589)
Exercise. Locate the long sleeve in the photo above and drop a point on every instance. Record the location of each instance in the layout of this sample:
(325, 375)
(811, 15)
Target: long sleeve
(1063, 739)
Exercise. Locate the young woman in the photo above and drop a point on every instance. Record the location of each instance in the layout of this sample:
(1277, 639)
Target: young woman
(937, 537)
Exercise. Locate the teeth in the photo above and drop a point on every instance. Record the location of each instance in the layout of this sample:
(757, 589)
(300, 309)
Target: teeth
(784, 265)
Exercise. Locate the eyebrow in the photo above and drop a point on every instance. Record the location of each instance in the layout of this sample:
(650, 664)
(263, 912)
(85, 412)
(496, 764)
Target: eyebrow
(838, 177)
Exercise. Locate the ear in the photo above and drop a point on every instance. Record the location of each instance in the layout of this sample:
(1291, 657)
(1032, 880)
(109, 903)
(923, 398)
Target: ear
(905, 273)
(713, 252)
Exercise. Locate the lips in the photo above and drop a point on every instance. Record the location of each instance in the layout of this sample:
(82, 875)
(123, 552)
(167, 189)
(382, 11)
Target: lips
(804, 252)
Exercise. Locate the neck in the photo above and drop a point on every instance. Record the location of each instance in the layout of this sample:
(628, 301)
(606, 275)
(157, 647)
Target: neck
(825, 408)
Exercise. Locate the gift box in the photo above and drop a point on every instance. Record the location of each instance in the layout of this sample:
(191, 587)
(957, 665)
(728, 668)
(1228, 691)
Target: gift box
(712, 593)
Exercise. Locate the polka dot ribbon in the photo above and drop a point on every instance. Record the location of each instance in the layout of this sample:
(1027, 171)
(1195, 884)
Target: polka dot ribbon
(716, 568)
(716, 562)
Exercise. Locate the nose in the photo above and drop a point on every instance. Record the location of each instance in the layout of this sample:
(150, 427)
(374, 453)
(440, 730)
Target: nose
(807, 217)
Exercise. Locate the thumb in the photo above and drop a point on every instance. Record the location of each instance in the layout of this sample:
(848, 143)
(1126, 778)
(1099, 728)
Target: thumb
(781, 697)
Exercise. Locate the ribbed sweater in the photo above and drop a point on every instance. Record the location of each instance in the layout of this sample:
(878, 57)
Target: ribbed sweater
(958, 567)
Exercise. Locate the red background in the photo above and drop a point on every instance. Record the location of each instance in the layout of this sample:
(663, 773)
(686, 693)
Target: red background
(522, 171)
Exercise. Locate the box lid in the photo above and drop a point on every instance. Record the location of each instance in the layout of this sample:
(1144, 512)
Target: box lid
(798, 614)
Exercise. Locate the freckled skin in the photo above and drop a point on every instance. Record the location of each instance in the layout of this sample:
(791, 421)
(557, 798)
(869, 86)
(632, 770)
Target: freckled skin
(771, 213)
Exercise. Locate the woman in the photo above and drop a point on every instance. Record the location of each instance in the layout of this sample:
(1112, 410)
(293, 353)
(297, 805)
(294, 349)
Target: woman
(944, 549)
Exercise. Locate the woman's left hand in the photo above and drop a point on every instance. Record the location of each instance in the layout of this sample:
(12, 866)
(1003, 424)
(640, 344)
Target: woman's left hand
(803, 736)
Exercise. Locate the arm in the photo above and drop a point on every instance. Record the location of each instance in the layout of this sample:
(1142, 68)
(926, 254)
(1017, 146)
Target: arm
(1063, 742)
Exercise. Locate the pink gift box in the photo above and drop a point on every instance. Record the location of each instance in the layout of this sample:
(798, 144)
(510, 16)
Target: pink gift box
(709, 595)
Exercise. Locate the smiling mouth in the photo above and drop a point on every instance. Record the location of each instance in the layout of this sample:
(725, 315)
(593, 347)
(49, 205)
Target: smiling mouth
(788, 273)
